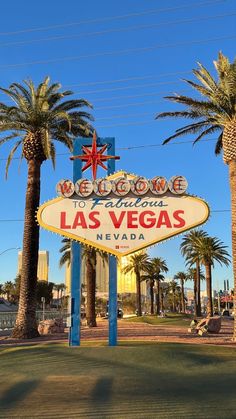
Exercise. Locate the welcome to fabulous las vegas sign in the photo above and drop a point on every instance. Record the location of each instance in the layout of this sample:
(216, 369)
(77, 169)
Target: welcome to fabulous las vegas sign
(122, 213)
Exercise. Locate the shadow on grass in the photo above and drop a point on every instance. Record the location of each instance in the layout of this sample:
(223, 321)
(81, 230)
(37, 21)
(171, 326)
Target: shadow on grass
(102, 390)
(166, 372)
(17, 392)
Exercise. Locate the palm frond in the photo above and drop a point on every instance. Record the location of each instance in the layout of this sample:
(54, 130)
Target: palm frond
(179, 114)
(53, 155)
(219, 144)
(8, 137)
(205, 77)
(210, 130)
(10, 156)
(192, 129)
(23, 90)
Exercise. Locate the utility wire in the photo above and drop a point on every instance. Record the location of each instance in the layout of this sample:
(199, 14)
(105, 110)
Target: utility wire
(19, 220)
(127, 105)
(116, 30)
(119, 52)
(123, 80)
(115, 89)
(112, 18)
(111, 99)
(133, 147)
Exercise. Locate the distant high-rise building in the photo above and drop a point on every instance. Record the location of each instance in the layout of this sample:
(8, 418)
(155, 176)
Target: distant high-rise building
(43, 264)
(126, 283)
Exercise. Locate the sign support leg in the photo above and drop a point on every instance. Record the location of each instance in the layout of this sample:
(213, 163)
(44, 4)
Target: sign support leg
(74, 336)
(112, 301)
(112, 268)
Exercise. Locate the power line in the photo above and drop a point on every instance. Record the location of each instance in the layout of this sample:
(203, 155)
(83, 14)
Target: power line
(124, 116)
(115, 30)
(114, 89)
(119, 52)
(111, 18)
(132, 147)
(22, 220)
(125, 105)
(111, 99)
(123, 80)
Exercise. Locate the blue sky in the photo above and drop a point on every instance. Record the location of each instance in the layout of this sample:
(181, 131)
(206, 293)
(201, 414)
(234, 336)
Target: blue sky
(123, 57)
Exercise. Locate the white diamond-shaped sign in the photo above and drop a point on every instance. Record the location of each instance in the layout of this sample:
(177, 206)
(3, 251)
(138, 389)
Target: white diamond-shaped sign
(121, 225)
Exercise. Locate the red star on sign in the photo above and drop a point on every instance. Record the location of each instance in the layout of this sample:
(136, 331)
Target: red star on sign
(94, 157)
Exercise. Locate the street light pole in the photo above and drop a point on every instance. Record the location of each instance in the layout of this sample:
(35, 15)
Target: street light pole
(10, 248)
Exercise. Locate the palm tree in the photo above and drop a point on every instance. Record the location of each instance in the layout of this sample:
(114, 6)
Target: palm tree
(217, 113)
(138, 263)
(163, 294)
(159, 266)
(182, 276)
(8, 289)
(174, 292)
(209, 250)
(38, 117)
(188, 250)
(89, 254)
(193, 274)
(151, 276)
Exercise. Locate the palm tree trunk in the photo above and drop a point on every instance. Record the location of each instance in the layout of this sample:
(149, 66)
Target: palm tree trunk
(152, 296)
(209, 290)
(138, 294)
(232, 179)
(182, 295)
(198, 294)
(174, 303)
(158, 298)
(195, 294)
(91, 294)
(26, 324)
(162, 302)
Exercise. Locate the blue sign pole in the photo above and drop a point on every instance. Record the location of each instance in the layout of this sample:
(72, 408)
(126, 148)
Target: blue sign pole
(74, 335)
(112, 266)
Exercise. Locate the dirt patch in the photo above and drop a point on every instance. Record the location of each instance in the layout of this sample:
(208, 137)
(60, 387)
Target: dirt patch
(136, 331)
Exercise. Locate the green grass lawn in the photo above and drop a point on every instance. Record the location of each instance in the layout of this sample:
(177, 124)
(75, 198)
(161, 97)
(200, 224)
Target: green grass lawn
(171, 319)
(132, 380)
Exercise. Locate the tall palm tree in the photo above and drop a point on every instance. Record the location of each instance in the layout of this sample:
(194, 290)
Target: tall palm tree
(210, 250)
(217, 113)
(151, 276)
(188, 247)
(159, 266)
(175, 293)
(193, 274)
(182, 277)
(89, 254)
(37, 117)
(138, 263)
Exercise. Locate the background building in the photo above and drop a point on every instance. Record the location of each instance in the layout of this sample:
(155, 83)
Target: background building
(125, 283)
(43, 265)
